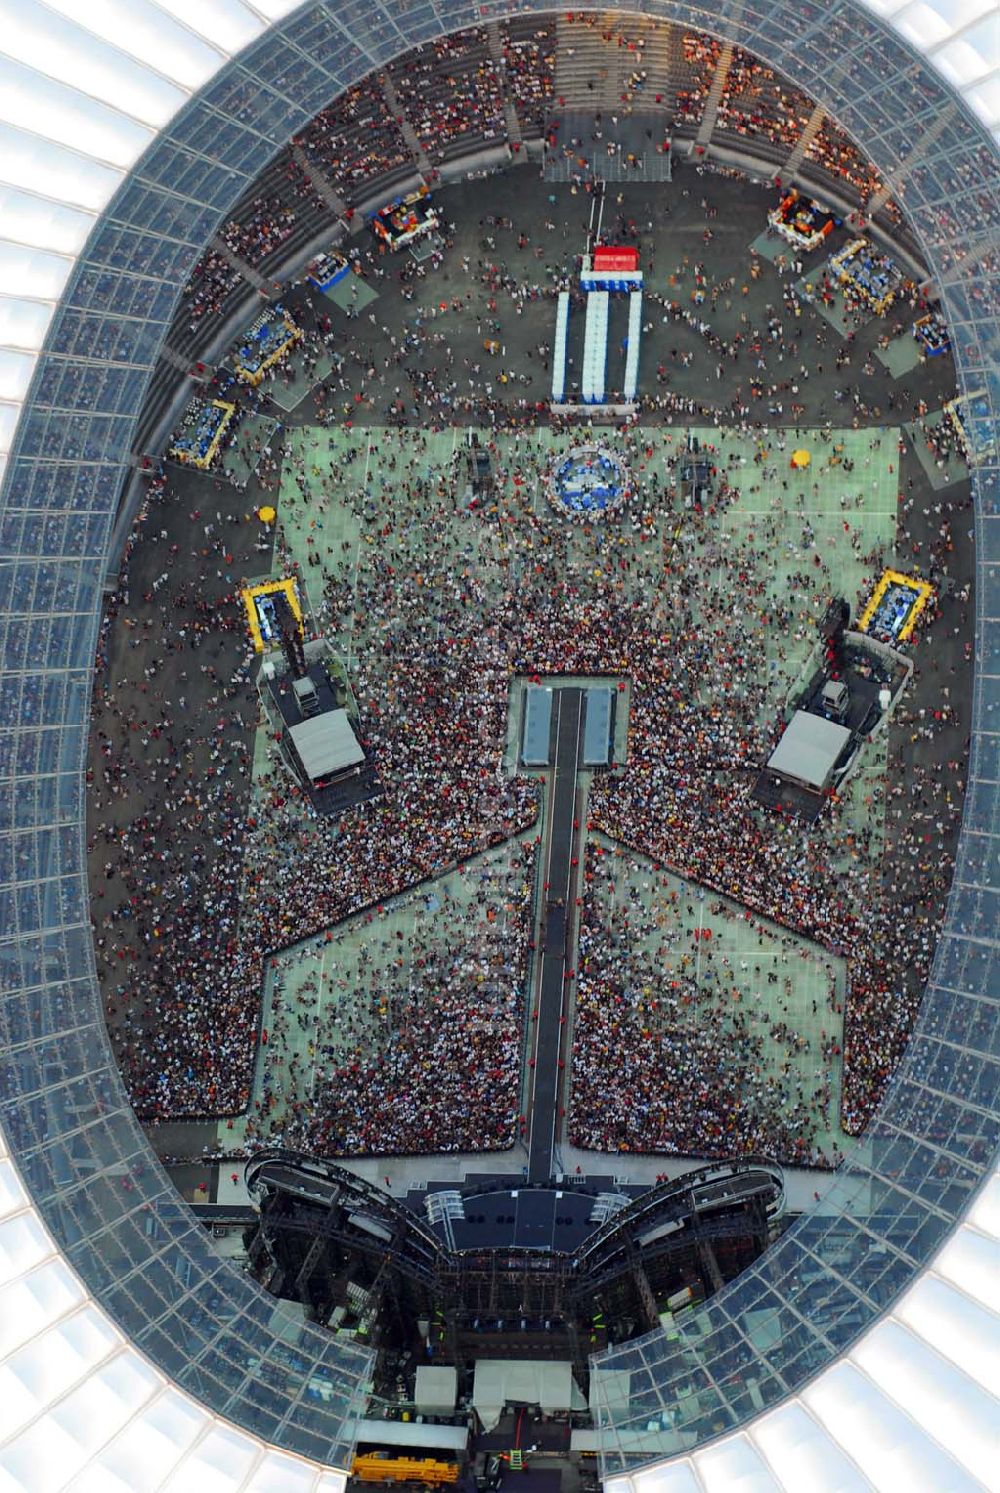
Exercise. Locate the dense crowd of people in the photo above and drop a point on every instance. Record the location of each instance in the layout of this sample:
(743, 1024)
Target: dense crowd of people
(732, 1070)
(416, 1029)
(355, 140)
(206, 881)
(758, 104)
(433, 691)
(450, 90)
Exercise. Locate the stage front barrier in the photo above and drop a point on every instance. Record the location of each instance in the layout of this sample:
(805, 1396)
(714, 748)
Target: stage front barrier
(559, 348)
(634, 337)
(595, 347)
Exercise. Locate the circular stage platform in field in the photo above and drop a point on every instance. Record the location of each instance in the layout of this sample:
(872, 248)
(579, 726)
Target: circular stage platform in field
(588, 483)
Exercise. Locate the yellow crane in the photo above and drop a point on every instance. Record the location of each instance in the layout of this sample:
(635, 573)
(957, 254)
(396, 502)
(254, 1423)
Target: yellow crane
(376, 1467)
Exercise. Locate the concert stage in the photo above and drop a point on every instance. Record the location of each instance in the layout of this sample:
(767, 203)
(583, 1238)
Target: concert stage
(542, 1218)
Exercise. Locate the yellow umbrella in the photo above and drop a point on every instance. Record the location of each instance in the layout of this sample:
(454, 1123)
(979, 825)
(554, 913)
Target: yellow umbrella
(801, 459)
(267, 514)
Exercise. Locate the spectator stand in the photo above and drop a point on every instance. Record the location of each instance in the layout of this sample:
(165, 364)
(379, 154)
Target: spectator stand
(449, 91)
(837, 155)
(528, 47)
(355, 141)
(698, 59)
(757, 104)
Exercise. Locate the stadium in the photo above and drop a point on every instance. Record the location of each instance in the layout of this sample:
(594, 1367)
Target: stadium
(498, 762)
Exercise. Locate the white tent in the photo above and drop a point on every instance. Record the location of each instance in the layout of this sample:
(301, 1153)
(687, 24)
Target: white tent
(436, 1389)
(326, 745)
(809, 748)
(527, 1381)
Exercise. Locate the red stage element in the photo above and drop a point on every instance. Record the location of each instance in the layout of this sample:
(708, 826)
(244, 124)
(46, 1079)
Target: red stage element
(615, 260)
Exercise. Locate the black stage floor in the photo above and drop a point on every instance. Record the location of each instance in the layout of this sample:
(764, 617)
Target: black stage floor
(355, 786)
(525, 1218)
(557, 940)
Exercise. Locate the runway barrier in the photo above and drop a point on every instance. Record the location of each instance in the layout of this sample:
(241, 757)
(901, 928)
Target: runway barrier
(595, 347)
(559, 348)
(634, 338)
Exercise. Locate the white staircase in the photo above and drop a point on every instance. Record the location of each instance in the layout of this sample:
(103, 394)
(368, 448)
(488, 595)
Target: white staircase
(812, 129)
(324, 189)
(408, 132)
(245, 271)
(509, 112)
(715, 93)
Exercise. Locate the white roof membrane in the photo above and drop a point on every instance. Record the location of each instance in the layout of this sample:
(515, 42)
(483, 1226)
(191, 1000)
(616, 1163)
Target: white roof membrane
(84, 86)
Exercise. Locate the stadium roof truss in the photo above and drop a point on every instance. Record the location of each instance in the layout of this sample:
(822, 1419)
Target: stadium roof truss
(132, 1357)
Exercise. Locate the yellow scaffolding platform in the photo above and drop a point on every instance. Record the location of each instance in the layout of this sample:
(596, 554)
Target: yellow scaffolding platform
(269, 588)
(905, 595)
(374, 1467)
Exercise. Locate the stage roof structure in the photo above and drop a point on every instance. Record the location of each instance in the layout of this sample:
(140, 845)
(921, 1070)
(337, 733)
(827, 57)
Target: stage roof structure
(431, 1437)
(809, 749)
(525, 1381)
(326, 745)
(436, 1389)
(536, 737)
(597, 726)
